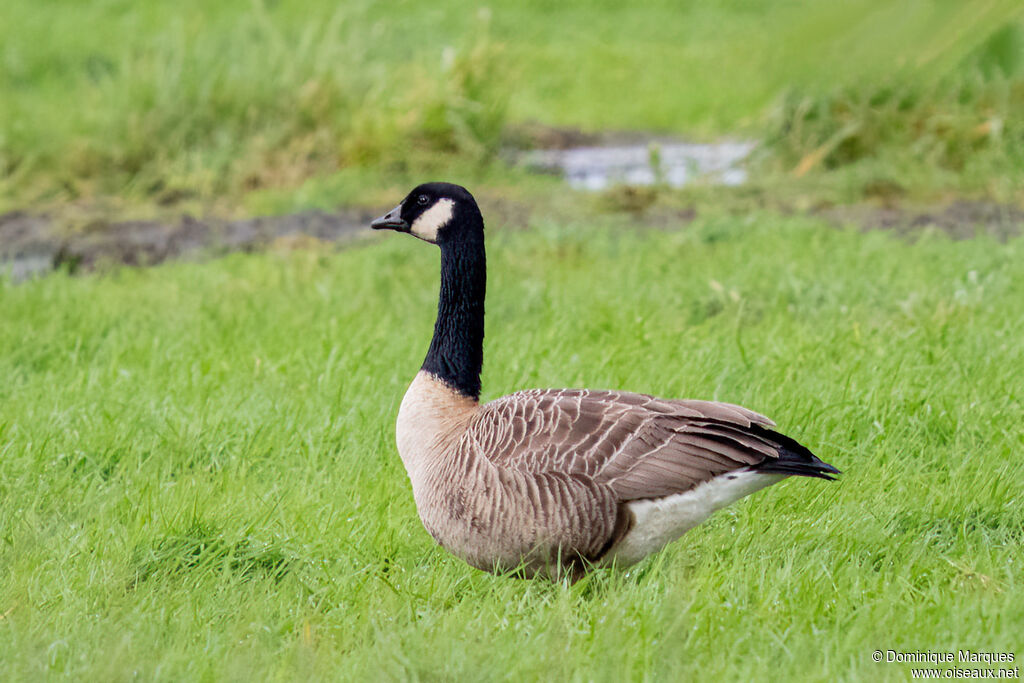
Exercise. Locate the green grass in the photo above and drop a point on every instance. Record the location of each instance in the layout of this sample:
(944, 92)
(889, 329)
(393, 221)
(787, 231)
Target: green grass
(205, 103)
(198, 477)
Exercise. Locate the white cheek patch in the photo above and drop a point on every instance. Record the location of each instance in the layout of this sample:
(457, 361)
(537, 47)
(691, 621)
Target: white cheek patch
(433, 219)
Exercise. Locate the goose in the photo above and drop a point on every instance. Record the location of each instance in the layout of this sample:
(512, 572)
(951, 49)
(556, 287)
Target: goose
(554, 482)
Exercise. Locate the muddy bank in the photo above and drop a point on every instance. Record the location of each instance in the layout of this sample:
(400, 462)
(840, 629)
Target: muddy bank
(34, 244)
(960, 219)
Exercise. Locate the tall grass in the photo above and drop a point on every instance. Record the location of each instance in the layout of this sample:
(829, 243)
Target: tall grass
(164, 101)
(205, 101)
(960, 123)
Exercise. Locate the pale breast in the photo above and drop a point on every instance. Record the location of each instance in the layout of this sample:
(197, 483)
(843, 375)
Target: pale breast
(430, 421)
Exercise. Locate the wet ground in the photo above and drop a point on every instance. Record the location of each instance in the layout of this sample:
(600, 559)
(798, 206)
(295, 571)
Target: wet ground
(623, 166)
(32, 245)
(959, 219)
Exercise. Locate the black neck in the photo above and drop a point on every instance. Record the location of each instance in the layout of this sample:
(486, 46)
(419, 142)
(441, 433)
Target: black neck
(456, 353)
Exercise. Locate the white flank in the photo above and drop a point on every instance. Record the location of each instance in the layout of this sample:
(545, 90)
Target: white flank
(433, 219)
(661, 521)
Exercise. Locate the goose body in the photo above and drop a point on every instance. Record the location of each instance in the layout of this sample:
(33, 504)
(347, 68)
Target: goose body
(553, 481)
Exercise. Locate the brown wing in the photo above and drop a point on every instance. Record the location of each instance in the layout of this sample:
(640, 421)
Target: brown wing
(638, 445)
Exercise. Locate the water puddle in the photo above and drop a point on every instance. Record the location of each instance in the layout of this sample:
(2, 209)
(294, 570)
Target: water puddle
(675, 164)
(25, 266)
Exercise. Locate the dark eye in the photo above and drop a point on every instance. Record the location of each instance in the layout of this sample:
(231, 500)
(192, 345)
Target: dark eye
(422, 200)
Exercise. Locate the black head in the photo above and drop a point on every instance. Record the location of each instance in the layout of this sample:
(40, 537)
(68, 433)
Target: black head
(436, 213)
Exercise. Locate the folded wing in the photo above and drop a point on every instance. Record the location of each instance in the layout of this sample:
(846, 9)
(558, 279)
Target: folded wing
(639, 446)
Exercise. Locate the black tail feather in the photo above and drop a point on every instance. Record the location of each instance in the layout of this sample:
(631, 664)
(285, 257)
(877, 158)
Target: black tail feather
(794, 458)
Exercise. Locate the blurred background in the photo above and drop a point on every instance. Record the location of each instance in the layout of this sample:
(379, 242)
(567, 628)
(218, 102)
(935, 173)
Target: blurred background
(268, 106)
